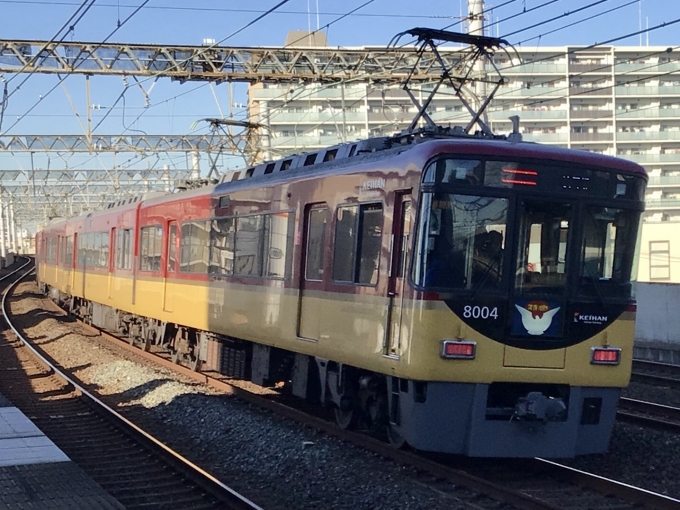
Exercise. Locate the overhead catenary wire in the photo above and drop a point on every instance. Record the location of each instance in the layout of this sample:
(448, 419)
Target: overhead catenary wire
(353, 11)
(71, 26)
(341, 17)
(197, 8)
(61, 80)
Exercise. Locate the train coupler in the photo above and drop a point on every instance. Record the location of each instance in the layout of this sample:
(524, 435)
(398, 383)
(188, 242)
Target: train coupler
(538, 407)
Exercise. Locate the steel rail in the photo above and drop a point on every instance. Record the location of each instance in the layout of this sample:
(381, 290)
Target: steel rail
(456, 476)
(656, 378)
(608, 486)
(207, 481)
(656, 416)
(374, 445)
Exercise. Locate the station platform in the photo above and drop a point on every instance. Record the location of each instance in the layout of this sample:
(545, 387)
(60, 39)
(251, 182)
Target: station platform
(35, 474)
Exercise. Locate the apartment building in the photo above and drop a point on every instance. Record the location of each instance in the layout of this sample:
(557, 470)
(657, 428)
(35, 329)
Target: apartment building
(621, 101)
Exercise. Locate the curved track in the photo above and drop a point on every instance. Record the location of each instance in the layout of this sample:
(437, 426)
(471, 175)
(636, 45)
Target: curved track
(129, 464)
(531, 483)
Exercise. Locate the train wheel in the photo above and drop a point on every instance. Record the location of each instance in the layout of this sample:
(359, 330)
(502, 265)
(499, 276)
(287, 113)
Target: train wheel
(195, 364)
(344, 413)
(395, 438)
(176, 357)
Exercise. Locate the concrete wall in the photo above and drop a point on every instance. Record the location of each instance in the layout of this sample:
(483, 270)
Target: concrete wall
(657, 329)
(655, 264)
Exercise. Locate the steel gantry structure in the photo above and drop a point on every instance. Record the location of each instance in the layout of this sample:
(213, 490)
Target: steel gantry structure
(39, 194)
(218, 63)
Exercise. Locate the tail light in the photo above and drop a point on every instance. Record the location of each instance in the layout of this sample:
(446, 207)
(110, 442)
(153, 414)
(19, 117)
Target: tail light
(605, 356)
(458, 349)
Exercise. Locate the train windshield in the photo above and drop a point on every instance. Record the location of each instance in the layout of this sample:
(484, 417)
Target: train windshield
(607, 251)
(543, 232)
(463, 241)
(522, 244)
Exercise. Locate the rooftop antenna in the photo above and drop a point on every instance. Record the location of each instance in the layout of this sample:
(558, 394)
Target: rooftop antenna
(456, 71)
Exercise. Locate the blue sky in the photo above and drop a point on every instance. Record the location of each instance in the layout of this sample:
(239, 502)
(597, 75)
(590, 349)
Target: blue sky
(183, 22)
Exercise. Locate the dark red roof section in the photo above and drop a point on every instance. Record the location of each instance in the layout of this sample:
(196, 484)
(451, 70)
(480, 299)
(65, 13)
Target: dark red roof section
(501, 148)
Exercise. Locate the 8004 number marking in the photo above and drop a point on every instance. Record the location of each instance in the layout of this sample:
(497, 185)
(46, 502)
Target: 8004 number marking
(480, 312)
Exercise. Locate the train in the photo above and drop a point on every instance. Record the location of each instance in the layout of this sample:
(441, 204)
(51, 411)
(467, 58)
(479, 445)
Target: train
(463, 294)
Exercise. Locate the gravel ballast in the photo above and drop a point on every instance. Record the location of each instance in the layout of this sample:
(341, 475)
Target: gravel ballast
(280, 464)
(273, 461)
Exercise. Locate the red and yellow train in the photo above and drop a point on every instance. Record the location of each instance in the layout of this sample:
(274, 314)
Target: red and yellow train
(469, 295)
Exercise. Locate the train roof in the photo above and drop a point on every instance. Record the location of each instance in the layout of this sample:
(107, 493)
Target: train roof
(344, 158)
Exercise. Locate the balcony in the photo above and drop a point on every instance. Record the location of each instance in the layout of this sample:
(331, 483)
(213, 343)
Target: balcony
(315, 118)
(597, 90)
(647, 68)
(592, 137)
(534, 68)
(534, 92)
(647, 91)
(591, 114)
(651, 158)
(648, 112)
(671, 180)
(309, 94)
(562, 138)
(529, 115)
(662, 204)
(591, 68)
(307, 142)
(648, 136)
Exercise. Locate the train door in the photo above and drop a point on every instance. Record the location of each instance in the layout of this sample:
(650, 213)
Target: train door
(311, 274)
(170, 266)
(396, 330)
(69, 268)
(111, 262)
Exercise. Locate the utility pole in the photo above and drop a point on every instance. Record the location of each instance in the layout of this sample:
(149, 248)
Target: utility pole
(476, 27)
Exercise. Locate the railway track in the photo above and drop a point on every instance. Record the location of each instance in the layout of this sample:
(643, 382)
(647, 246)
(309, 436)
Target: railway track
(659, 374)
(132, 466)
(649, 414)
(527, 484)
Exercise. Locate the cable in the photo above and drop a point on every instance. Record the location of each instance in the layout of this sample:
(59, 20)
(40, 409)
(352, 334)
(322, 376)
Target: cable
(61, 80)
(227, 10)
(564, 15)
(250, 23)
(287, 45)
(32, 61)
(590, 18)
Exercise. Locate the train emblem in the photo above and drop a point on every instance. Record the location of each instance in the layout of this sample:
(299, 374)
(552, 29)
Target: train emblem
(536, 318)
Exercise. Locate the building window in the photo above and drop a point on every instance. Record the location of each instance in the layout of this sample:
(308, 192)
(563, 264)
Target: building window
(150, 248)
(358, 234)
(659, 260)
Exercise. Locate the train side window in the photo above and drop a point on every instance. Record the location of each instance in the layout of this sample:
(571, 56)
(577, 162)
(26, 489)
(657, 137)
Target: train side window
(278, 247)
(250, 238)
(67, 258)
(172, 248)
(316, 236)
(123, 248)
(195, 247)
(358, 235)
(150, 252)
(104, 249)
(222, 246)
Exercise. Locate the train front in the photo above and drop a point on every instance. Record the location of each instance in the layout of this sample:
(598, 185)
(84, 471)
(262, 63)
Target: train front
(523, 314)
